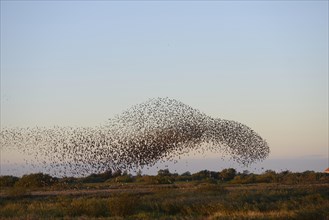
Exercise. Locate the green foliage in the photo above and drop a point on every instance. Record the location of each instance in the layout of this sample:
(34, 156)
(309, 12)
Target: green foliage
(8, 181)
(66, 182)
(98, 178)
(203, 195)
(147, 179)
(285, 177)
(35, 181)
(124, 179)
(184, 177)
(164, 180)
(227, 174)
(203, 174)
(165, 177)
(186, 174)
(156, 179)
(164, 172)
(117, 173)
(199, 200)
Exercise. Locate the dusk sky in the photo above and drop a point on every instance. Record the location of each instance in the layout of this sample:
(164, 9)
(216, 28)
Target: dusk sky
(261, 63)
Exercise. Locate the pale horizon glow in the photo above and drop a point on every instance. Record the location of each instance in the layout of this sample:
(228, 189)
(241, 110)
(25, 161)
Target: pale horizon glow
(79, 63)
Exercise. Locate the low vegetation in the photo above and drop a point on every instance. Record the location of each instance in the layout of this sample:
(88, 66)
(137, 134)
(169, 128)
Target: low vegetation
(202, 195)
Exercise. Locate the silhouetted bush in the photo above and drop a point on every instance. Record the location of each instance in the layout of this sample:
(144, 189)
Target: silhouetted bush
(165, 180)
(100, 177)
(203, 174)
(8, 181)
(93, 178)
(36, 180)
(128, 178)
(164, 172)
(117, 173)
(227, 174)
(186, 177)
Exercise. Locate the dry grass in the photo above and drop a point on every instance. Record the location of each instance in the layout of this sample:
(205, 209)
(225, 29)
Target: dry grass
(175, 201)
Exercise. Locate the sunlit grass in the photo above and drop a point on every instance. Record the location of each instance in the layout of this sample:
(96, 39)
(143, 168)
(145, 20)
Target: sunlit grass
(148, 198)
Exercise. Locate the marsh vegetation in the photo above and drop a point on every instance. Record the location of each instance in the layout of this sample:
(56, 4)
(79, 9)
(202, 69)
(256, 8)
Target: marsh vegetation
(203, 195)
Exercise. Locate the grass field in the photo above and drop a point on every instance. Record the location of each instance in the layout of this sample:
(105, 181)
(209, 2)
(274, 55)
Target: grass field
(196, 199)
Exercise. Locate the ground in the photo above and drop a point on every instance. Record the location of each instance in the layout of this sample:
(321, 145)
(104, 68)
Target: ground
(180, 200)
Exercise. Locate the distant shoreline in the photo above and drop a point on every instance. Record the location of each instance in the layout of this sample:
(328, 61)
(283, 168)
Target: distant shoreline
(194, 165)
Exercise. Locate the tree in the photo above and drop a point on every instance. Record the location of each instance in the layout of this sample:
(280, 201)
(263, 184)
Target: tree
(7, 181)
(36, 180)
(117, 173)
(164, 172)
(106, 175)
(227, 174)
(186, 174)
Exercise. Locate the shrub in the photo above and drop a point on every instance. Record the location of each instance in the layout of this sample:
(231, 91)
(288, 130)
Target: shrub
(93, 178)
(147, 179)
(203, 174)
(184, 178)
(8, 181)
(35, 180)
(124, 179)
(227, 174)
(164, 172)
(98, 178)
(164, 180)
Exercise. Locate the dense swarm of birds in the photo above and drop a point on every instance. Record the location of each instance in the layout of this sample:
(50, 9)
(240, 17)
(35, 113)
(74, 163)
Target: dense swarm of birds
(157, 130)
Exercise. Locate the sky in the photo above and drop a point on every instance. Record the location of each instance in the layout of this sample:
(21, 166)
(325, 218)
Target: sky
(261, 63)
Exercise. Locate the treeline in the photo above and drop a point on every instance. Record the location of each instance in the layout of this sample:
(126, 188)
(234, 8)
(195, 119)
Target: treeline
(164, 176)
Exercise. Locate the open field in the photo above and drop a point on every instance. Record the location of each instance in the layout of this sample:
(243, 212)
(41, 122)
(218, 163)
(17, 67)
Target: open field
(144, 198)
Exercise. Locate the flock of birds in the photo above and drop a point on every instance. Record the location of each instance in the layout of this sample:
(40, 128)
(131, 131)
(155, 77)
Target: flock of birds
(157, 130)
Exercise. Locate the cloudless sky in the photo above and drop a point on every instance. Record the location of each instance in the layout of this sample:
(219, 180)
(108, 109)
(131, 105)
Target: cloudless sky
(262, 63)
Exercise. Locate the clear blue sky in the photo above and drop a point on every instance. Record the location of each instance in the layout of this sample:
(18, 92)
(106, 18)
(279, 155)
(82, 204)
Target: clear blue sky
(78, 63)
